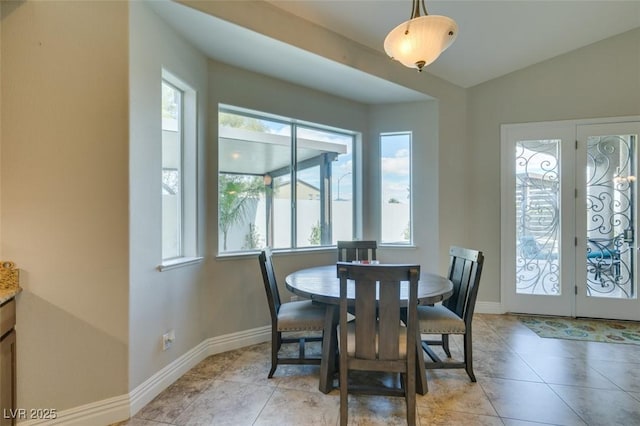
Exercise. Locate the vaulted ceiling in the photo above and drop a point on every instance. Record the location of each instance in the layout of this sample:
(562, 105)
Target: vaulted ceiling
(495, 38)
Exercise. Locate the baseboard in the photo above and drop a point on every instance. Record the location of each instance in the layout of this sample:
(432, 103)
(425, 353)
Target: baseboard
(150, 388)
(229, 342)
(489, 308)
(98, 413)
(122, 407)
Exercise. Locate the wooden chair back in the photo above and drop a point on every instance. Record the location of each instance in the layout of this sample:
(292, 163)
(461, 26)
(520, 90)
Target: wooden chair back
(465, 268)
(348, 251)
(270, 283)
(378, 343)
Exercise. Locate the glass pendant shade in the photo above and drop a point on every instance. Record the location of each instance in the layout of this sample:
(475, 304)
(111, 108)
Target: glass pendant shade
(419, 41)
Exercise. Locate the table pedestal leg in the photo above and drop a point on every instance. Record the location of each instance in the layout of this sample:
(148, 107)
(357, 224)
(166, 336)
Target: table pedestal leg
(329, 349)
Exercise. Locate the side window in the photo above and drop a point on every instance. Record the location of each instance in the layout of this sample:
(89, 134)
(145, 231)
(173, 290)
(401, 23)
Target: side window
(395, 183)
(179, 141)
(259, 157)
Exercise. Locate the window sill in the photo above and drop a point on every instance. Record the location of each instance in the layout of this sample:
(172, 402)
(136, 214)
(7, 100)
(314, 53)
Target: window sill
(254, 253)
(178, 263)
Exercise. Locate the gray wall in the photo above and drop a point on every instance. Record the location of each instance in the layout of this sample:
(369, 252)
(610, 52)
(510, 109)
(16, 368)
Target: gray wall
(80, 115)
(453, 180)
(235, 283)
(64, 196)
(203, 301)
(600, 80)
(422, 119)
(237, 279)
(169, 300)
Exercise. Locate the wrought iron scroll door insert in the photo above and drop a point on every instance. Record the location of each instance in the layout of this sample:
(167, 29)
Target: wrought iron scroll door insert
(610, 203)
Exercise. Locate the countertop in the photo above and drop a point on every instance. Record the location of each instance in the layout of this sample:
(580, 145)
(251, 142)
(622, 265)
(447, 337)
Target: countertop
(9, 281)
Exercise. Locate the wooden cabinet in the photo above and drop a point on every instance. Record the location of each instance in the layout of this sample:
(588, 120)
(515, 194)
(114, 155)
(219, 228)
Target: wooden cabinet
(8, 362)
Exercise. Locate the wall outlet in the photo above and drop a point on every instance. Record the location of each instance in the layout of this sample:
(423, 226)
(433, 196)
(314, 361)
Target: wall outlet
(167, 339)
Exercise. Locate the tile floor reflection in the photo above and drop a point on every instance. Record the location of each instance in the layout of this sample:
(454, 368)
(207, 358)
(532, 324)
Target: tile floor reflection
(522, 380)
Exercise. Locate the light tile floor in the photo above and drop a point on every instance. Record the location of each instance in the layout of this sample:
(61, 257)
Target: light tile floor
(522, 380)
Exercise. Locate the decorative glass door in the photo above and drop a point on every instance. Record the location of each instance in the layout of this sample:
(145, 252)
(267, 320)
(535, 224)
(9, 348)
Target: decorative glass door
(607, 282)
(569, 219)
(537, 243)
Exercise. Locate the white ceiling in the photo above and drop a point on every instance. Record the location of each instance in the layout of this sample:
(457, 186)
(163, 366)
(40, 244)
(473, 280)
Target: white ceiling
(494, 39)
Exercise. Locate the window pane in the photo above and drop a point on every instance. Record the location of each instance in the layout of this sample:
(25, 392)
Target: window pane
(537, 195)
(323, 158)
(281, 212)
(611, 210)
(395, 154)
(258, 151)
(253, 183)
(171, 171)
(241, 197)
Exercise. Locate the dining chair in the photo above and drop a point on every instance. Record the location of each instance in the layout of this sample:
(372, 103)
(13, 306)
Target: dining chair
(376, 340)
(455, 314)
(348, 251)
(298, 316)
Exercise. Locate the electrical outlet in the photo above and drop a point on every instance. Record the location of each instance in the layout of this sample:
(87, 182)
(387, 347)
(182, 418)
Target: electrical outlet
(167, 339)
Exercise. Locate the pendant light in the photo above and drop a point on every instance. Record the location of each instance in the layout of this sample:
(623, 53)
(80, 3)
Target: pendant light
(419, 41)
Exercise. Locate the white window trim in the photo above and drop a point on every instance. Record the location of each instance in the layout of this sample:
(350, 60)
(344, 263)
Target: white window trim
(411, 242)
(189, 176)
(179, 263)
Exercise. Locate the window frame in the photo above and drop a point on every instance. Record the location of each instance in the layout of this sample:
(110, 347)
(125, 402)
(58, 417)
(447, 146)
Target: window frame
(188, 228)
(294, 125)
(382, 135)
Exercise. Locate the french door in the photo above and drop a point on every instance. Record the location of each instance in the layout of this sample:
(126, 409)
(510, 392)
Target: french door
(568, 218)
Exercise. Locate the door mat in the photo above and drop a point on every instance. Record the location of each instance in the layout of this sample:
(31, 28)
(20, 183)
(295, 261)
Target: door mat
(584, 329)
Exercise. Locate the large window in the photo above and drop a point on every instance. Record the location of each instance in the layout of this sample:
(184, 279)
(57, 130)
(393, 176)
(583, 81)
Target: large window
(259, 156)
(178, 170)
(395, 182)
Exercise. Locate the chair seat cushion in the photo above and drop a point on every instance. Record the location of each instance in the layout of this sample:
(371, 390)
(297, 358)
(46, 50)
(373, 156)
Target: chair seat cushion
(300, 316)
(439, 320)
(351, 340)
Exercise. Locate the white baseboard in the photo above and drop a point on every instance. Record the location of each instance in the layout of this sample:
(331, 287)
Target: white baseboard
(489, 308)
(98, 413)
(149, 389)
(122, 407)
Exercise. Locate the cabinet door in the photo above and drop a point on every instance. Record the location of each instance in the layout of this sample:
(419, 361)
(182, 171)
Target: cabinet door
(8, 378)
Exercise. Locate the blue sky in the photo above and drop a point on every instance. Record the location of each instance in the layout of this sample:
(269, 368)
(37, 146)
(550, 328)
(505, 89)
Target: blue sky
(395, 154)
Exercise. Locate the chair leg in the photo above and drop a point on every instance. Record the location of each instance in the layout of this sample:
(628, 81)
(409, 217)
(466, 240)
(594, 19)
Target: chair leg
(410, 395)
(344, 385)
(468, 356)
(344, 398)
(445, 345)
(275, 346)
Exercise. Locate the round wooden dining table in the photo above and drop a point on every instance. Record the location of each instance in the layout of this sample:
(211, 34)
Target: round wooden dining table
(321, 284)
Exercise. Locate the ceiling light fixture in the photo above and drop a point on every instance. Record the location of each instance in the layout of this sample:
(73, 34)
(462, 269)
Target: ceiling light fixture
(419, 41)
